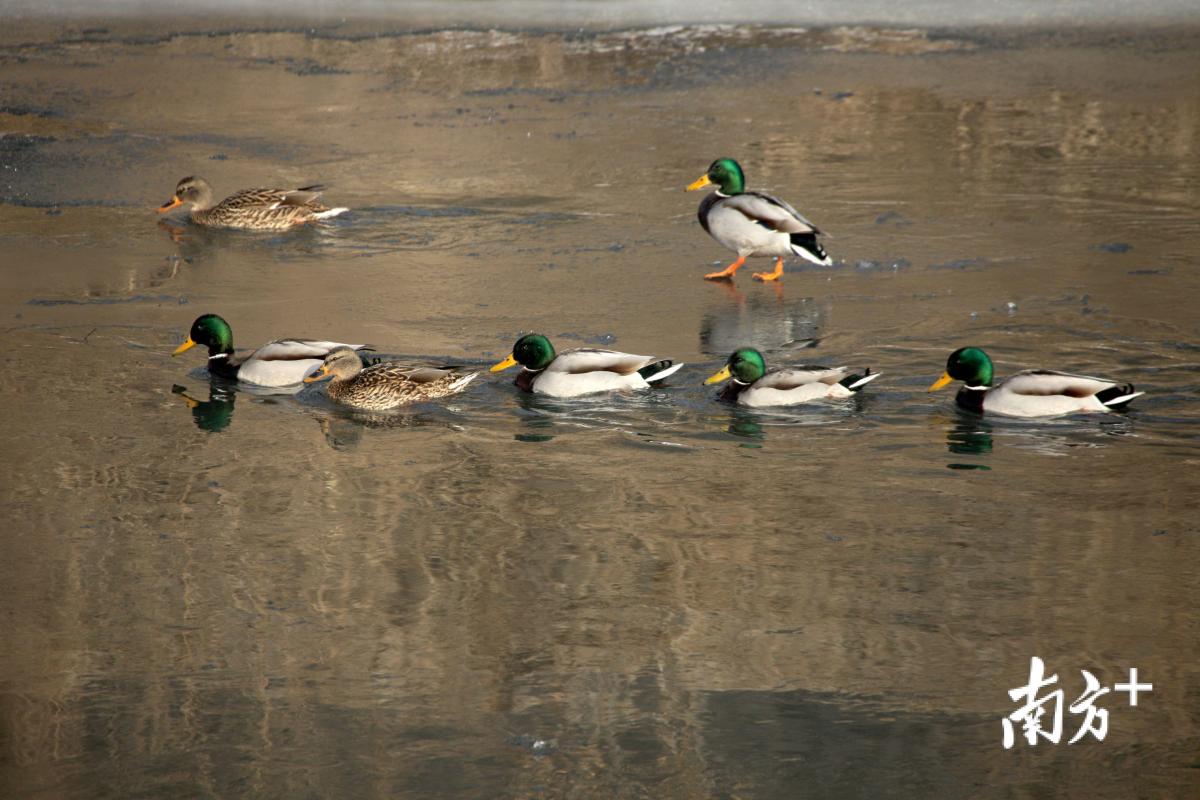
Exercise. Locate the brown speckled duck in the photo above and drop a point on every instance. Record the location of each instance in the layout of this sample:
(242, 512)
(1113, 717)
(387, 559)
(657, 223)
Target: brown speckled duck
(385, 386)
(250, 209)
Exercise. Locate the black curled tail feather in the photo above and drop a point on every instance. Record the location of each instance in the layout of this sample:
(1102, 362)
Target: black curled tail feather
(1117, 396)
(808, 241)
(651, 370)
(855, 383)
(658, 370)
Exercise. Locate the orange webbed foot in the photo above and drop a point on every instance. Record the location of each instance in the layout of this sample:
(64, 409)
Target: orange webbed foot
(727, 273)
(771, 276)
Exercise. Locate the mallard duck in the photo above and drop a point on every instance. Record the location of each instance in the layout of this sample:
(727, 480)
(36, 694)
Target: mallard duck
(580, 371)
(753, 223)
(386, 385)
(753, 385)
(283, 362)
(250, 209)
(1030, 393)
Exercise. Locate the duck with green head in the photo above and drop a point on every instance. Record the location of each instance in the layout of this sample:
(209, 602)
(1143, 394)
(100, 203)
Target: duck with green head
(283, 362)
(582, 370)
(250, 209)
(386, 385)
(753, 223)
(1031, 392)
(755, 386)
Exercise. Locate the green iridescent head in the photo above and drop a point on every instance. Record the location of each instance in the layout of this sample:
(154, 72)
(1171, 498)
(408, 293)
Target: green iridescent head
(745, 365)
(209, 330)
(532, 351)
(725, 174)
(969, 365)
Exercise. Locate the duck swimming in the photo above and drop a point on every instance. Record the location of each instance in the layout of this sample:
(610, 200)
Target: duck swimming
(386, 385)
(582, 370)
(755, 386)
(1031, 392)
(250, 209)
(283, 362)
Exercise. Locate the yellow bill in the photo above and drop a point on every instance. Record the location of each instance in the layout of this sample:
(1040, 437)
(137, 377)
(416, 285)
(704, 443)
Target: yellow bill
(722, 375)
(505, 364)
(321, 373)
(940, 382)
(183, 348)
(699, 183)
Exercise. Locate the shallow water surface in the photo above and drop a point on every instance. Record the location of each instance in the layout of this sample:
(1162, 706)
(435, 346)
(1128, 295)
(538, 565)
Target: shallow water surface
(218, 591)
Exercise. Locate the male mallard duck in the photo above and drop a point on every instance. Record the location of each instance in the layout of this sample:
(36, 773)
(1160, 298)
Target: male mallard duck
(753, 223)
(1030, 393)
(250, 209)
(283, 362)
(753, 385)
(583, 370)
(386, 385)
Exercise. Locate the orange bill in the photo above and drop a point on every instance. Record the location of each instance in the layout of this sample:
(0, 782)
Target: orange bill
(321, 373)
(940, 382)
(173, 203)
(723, 375)
(505, 364)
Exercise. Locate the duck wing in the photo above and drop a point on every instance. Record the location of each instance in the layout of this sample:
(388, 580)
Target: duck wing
(769, 212)
(1046, 383)
(299, 349)
(285, 362)
(792, 377)
(587, 359)
(261, 198)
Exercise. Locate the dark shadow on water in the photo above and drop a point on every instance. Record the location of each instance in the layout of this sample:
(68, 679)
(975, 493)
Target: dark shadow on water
(822, 742)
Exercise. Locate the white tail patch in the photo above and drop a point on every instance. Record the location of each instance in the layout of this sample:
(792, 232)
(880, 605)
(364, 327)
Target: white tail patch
(658, 376)
(864, 380)
(807, 256)
(1125, 398)
(463, 381)
(332, 212)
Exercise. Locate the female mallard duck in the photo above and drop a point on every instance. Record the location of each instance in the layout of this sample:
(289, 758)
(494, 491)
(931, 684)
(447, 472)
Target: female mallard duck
(283, 362)
(583, 370)
(1030, 393)
(753, 223)
(386, 385)
(753, 385)
(250, 209)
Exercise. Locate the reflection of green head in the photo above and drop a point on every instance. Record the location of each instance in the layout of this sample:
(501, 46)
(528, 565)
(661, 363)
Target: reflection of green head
(971, 366)
(211, 415)
(727, 175)
(747, 365)
(211, 330)
(533, 351)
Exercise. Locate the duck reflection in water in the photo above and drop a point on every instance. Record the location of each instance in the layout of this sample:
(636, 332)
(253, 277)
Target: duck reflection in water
(215, 413)
(765, 316)
(970, 435)
(343, 430)
(973, 434)
(746, 425)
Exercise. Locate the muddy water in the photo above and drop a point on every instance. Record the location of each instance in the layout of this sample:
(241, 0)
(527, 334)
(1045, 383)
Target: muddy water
(215, 592)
